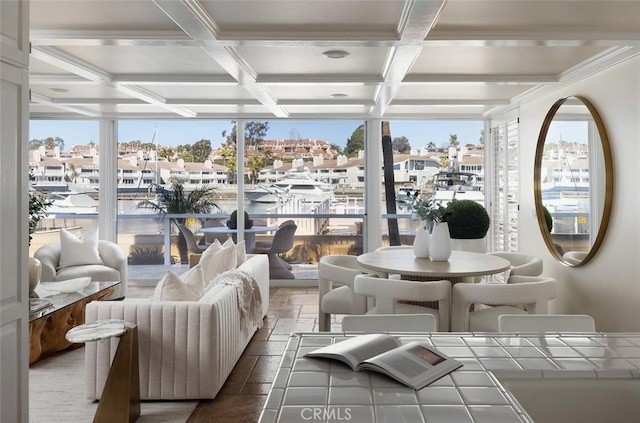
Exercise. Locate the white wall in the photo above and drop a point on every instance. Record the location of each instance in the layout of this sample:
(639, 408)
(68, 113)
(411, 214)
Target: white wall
(608, 287)
(14, 164)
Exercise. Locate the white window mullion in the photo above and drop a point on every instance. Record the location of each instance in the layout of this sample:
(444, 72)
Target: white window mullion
(108, 183)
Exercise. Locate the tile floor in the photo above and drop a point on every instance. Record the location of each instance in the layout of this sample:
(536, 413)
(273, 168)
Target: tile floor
(243, 394)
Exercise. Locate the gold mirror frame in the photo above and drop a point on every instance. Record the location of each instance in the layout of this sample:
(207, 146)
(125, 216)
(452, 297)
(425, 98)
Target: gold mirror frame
(537, 184)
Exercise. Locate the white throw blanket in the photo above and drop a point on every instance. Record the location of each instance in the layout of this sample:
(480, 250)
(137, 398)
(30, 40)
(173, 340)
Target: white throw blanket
(249, 299)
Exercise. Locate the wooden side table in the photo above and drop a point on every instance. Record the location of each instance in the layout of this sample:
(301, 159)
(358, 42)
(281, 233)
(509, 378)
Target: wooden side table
(120, 399)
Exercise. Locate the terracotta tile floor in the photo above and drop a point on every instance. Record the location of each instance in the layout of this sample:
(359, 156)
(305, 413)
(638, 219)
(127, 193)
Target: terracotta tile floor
(242, 396)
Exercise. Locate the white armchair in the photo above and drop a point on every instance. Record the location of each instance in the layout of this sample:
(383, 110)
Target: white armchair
(521, 264)
(388, 292)
(340, 269)
(532, 292)
(113, 269)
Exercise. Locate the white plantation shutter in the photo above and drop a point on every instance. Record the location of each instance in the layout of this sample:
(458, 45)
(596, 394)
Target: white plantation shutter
(505, 143)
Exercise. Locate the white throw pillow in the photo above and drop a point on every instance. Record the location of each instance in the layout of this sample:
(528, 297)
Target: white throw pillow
(172, 287)
(218, 261)
(76, 251)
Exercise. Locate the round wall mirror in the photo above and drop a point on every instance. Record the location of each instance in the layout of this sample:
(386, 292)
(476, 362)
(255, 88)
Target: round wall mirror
(573, 180)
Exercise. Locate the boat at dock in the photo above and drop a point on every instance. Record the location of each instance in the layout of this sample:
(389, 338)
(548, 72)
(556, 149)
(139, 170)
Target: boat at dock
(448, 186)
(298, 186)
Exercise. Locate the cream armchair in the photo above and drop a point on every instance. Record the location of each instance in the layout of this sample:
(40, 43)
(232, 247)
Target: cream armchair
(534, 292)
(113, 269)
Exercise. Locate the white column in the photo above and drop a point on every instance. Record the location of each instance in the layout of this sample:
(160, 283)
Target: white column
(108, 196)
(240, 177)
(372, 232)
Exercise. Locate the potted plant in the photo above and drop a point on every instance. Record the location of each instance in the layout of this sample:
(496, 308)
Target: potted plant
(432, 217)
(428, 213)
(175, 201)
(232, 223)
(468, 225)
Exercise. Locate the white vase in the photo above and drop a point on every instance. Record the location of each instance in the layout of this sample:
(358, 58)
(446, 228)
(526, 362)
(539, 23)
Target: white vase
(440, 246)
(421, 243)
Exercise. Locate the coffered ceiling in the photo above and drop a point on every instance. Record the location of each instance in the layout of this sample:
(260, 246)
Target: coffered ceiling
(267, 59)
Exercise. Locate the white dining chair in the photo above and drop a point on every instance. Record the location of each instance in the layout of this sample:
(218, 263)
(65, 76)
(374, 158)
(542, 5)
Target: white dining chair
(521, 264)
(531, 292)
(336, 274)
(372, 323)
(546, 323)
(388, 295)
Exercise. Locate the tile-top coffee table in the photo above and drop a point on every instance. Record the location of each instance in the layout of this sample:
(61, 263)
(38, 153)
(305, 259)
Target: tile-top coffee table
(120, 399)
(47, 327)
(313, 390)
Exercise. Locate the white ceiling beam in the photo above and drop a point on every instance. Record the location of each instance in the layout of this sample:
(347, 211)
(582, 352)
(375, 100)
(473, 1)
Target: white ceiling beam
(136, 79)
(41, 99)
(525, 38)
(76, 66)
(320, 79)
(57, 79)
(174, 79)
(95, 101)
(193, 19)
(449, 102)
(478, 38)
(499, 79)
(91, 38)
(416, 20)
(214, 102)
(64, 61)
(327, 102)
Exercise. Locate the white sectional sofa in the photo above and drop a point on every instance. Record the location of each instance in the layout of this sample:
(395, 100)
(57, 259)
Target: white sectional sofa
(187, 349)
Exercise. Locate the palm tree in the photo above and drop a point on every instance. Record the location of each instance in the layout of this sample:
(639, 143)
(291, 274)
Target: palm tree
(174, 201)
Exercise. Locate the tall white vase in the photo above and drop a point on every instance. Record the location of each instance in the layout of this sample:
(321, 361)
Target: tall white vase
(440, 245)
(421, 243)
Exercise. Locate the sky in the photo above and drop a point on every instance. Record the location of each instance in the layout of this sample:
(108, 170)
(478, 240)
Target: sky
(174, 132)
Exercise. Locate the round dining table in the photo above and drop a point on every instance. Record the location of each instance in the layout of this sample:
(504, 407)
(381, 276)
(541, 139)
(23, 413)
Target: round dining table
(460, 266)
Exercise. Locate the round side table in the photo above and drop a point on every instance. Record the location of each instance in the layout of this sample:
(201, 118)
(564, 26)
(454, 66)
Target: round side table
(120, 399)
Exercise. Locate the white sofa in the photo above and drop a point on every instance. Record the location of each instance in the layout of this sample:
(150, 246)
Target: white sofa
(187, 349)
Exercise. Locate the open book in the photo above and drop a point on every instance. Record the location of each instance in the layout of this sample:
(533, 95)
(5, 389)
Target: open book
(414, 364)
(37, 304)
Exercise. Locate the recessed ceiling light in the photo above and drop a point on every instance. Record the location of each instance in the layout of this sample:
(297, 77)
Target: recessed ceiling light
(336, 54)
(59, 90)
(339, 95)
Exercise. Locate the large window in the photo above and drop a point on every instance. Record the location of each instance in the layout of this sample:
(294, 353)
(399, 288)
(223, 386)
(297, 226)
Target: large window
(312, 172)
(63, 167)
(422, 151)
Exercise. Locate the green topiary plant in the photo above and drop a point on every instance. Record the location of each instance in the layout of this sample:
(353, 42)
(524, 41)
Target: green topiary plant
(467, 219)
(233, 220)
